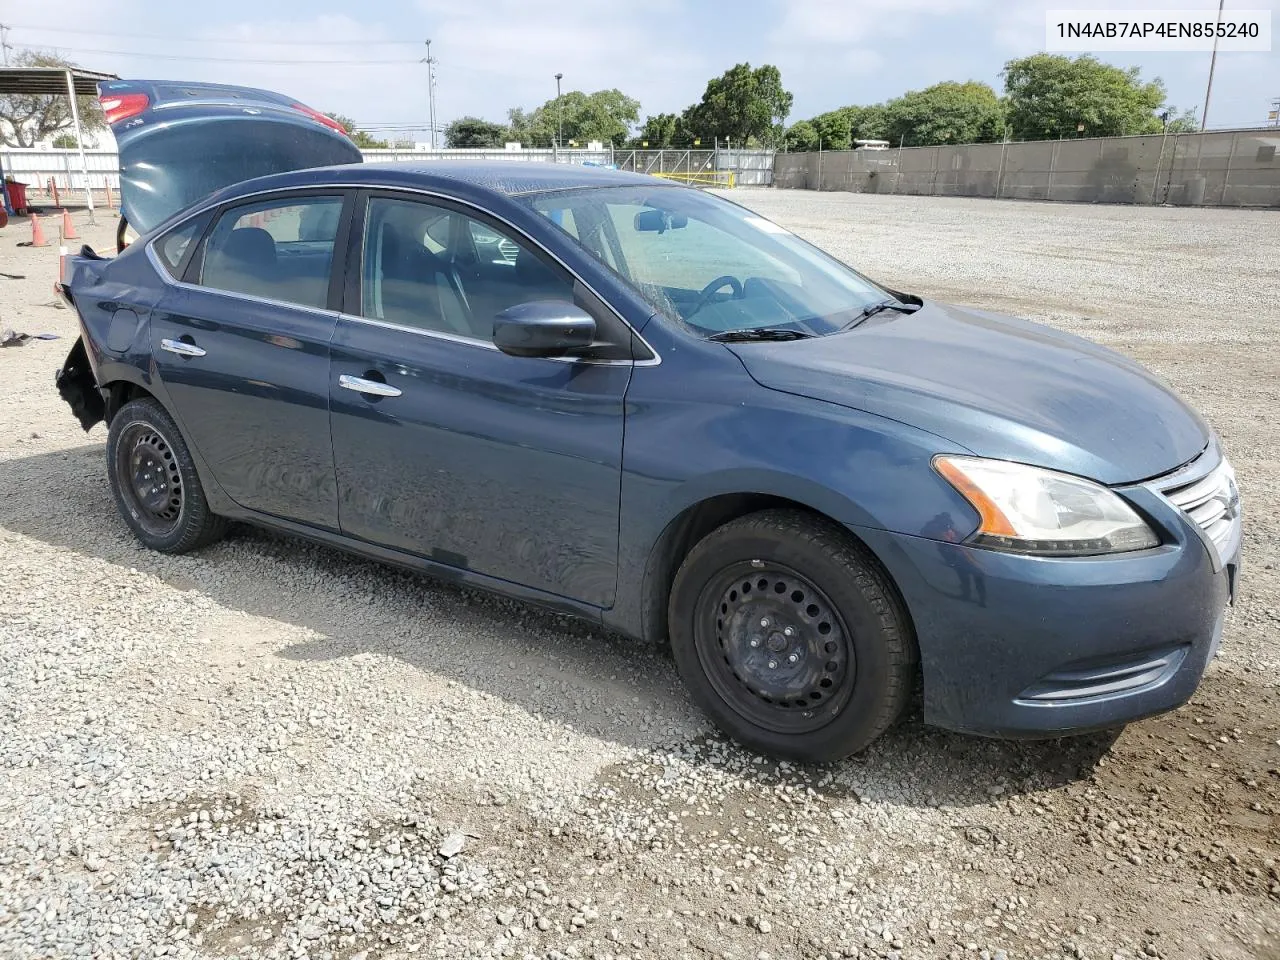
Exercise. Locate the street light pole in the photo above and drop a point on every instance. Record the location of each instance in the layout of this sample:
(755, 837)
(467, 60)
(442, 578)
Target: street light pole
(559, 113)
(1213, 62)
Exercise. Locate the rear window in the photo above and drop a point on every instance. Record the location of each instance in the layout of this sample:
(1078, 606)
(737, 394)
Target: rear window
(173, 246)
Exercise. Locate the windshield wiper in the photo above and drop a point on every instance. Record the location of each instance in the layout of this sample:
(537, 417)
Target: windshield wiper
(880, 307)
(759, 335)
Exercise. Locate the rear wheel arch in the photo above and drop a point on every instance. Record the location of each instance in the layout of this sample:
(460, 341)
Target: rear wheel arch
(120, 392)
(154, 480)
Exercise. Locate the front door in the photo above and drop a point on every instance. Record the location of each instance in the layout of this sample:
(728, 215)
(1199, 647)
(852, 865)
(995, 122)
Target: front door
(446, 447)
(243, 349)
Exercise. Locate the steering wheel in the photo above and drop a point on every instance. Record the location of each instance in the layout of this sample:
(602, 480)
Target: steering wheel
(714, 287)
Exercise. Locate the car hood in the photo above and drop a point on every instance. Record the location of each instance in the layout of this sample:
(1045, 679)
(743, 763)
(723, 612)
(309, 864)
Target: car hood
(997, 386)
(180, 142)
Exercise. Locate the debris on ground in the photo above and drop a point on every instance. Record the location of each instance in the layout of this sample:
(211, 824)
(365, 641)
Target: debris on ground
(12, 338)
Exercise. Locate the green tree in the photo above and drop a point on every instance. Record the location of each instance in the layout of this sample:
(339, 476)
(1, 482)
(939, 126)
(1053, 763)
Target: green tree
(359, 137)
(837, 129)
(834, 129)
(948, 112)
(661, 130)
(1188, 121)
(1049, 95)
(742, 105)
(474, 132)
(25, 120)
(606, 115)
(65, 141)
(801, 137)
(519, 123)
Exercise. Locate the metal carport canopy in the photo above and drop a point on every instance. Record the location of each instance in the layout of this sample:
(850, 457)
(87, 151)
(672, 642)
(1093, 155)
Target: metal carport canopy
(54, 81)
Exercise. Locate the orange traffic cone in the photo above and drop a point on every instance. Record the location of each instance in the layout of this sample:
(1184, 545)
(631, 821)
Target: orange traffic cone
(68, 228)
(37, 232)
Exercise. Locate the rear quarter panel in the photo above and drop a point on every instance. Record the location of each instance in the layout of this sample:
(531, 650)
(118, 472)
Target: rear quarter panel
(114, 299)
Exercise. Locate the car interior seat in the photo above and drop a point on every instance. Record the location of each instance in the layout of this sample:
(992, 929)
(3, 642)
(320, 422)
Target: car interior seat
(245, 262)
(417, 287)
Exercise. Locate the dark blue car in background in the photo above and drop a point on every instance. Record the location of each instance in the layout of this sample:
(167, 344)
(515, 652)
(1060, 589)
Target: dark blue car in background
(646, 405)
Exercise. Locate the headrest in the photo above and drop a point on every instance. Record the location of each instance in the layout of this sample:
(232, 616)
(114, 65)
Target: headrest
(250, 245)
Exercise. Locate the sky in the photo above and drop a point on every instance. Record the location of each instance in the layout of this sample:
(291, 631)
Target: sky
(497, 54)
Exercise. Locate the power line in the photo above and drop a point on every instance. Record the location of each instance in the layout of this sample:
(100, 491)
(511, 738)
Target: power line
(264, 43)
(192, 59)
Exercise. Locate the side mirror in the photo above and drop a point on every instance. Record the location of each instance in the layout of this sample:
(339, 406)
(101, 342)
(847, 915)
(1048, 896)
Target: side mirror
(543, 328)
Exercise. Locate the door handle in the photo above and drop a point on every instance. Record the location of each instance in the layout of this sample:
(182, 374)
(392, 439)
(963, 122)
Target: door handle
(371, 387)
(182, 348)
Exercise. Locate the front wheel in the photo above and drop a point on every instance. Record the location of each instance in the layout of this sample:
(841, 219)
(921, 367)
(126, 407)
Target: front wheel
(791, 637)
(154, 481)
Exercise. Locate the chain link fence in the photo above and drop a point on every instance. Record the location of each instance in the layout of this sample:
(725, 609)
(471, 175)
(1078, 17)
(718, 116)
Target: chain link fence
(1227, 168)
(38, 168)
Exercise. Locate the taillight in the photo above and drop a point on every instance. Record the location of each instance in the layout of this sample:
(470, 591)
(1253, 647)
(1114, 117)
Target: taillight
(117, 107)
(318, 116)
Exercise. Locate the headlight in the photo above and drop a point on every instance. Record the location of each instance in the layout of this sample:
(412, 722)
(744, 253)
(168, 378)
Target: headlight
(1029, 510)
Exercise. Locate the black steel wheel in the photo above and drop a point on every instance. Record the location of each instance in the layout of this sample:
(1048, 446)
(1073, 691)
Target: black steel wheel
(774, 646)
(152, 487)
(791, 636)
(154, 480)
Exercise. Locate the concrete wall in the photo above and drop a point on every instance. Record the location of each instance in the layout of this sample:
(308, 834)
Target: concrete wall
(1230, 168)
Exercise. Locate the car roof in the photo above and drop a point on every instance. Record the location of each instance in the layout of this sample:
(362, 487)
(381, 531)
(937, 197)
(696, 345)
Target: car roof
(506, 177)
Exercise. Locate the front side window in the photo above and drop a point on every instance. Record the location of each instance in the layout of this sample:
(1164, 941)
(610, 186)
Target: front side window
(432, 268)
(709, 263)
(277, 249)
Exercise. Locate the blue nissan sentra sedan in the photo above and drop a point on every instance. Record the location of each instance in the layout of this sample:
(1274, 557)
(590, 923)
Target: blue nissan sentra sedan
(648, 406)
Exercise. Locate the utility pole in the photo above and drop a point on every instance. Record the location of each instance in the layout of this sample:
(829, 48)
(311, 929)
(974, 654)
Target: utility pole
(1213, 62)
(4, 41)
(559, 114)
(431, 92)
(84, 166)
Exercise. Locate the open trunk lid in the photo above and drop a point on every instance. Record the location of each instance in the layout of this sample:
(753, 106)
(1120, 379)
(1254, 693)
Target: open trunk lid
(180, 142)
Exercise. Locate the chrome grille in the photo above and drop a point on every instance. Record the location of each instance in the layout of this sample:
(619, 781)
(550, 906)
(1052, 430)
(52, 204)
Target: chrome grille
(1213, 504)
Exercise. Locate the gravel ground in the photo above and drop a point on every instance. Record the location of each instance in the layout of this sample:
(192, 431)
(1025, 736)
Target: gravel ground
(270, 749)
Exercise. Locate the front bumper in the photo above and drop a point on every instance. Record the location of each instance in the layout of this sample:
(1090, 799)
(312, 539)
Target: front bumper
(1019, 646)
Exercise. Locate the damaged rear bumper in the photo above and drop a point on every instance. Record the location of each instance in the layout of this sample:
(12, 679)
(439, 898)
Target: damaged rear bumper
(78, 387)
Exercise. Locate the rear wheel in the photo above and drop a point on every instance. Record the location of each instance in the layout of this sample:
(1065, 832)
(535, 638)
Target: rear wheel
(154, 481)
(791, 637)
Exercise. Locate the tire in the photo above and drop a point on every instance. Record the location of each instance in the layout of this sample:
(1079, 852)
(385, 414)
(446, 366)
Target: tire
(777, 572)
(154, 481)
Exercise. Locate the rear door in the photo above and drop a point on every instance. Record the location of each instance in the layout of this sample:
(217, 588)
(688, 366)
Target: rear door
(242, 346)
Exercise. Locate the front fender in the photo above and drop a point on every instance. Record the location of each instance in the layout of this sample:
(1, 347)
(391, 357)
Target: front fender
(722, 434)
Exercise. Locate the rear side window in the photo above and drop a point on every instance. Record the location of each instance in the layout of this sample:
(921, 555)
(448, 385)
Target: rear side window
(173, 246)
(278, 250)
